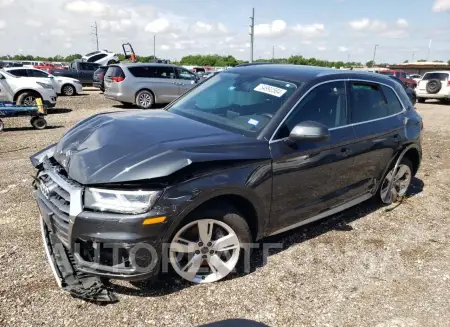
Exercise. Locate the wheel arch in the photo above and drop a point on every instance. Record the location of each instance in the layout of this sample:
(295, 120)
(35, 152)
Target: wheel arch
(19, 92)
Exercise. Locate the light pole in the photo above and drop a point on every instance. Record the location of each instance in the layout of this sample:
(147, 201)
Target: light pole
(374, 53)
(252, 31)
(154, 46)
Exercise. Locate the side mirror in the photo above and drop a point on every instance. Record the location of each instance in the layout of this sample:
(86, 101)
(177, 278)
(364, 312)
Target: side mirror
(309, 131)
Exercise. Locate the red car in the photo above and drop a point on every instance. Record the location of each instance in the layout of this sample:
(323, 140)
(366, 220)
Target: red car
(46, 66)
(401, 75)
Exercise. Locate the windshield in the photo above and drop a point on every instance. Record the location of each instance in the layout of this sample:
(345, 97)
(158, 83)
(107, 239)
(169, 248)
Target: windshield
(239, 103)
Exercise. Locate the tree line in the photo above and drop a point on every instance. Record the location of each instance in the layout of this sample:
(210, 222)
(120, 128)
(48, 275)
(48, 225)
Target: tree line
(213, 60)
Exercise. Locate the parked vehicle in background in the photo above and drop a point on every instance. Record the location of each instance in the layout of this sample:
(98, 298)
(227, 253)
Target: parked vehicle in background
(60, 65)
(99, 76)
(82, 71)
(101, 57)
(399, 74)
(45, 66)
(147, 84)
(25, 91)
(409, 90)
(62, 85)
(415, 77)
(434, 85)
(245, 155)
(32, 63)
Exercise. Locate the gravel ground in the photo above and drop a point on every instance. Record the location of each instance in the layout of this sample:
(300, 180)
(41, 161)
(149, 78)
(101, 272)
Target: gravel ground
(365, 267)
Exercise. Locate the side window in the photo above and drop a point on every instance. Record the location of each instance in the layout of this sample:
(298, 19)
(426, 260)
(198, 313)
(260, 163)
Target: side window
(367, 102)
(97, 57)
(402, 75)
(185, 74)
(164, 72)
(325, 104)
(19, 72)
(36, 73)
(142, 71)
(394, 105)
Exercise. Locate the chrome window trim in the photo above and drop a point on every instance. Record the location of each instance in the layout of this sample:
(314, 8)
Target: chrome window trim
(344, 126)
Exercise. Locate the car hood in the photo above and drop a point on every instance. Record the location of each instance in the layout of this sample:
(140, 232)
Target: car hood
(137, 145)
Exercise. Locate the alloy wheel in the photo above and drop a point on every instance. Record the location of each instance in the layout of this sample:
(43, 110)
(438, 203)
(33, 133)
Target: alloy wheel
(68, 90)
(204, 251)
(29, 101)
(145, 100)
(402, 179)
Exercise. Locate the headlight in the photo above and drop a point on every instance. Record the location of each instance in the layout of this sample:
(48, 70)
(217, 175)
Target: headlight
(77, 82)
(45, 86)
(133, 202)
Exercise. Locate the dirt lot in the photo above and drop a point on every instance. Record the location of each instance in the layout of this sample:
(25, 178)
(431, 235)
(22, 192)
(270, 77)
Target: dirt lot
(364, 267)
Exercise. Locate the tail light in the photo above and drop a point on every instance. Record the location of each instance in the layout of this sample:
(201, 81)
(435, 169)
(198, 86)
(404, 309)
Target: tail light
(117, 79)
(448, 83)
(100, 75)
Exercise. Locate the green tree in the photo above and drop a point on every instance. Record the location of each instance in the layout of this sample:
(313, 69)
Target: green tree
(370, 63)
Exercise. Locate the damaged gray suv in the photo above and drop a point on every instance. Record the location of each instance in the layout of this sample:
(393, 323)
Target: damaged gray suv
(251, 152)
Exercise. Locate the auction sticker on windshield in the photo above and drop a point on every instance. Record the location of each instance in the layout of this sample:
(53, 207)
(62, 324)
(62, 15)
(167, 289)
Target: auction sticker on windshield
(269, 89)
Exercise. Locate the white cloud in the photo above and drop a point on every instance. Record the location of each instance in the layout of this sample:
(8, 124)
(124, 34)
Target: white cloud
(165, 47)
(6, 3)
(2, 24)
(367, 24)
(57, 32)
(343, 49)
(395, 34)
(282, 47)
(276, 28)
(33, 23)
(67, 45)
(115, 25)
(202, 28)
(441, 5)
(160, 25)
(310, 31)
(88, 7)
(322, 48)
(62, 22)
(402, 23)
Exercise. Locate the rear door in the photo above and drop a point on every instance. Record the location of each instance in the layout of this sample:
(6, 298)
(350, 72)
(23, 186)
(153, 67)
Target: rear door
(186, 79)
(376, 115)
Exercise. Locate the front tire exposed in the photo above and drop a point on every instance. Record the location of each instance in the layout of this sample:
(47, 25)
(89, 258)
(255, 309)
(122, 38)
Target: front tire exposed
(402, 182)
(28, 99)
(145, 99)
(68, 90)
(211, 245)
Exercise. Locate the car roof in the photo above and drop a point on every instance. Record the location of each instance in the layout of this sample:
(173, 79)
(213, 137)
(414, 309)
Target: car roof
(439, 71)
(303, 74)
(143, 64)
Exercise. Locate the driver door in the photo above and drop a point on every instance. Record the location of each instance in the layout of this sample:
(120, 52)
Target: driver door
(310, 178)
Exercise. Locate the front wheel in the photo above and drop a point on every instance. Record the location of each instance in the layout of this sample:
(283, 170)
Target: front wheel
(27, 99)
(211, 246)
(145, 99)
(68, 90)
(38, 123)
(402, 180)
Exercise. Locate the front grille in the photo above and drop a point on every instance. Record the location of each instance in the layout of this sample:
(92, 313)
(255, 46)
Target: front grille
(61, 195)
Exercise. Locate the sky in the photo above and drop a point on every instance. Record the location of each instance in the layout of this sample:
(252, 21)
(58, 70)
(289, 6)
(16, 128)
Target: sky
(325, 29)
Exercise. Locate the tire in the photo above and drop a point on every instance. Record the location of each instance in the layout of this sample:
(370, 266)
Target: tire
(27, 98)
(1, 126)
(145, 99)
(433, 86)
(401, 188)
(421, 100)
(68, 90)
(198, 262)
(38, 123)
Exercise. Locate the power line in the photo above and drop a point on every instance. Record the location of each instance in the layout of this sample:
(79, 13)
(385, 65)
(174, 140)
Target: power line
(95, 33)
(252, 32)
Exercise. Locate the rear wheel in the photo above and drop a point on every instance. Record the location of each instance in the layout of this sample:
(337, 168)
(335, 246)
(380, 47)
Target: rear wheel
(402, 180)
(27, 99)
(145, 99)
(421, 100)
(68, 90)
(38, 122)
(210, 246)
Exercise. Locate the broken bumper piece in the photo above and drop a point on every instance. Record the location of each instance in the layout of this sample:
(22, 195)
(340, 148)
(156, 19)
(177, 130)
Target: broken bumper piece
(68, 277)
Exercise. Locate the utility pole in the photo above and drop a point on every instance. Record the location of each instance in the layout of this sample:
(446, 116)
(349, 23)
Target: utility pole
(429, 49)
(412, 59)
(252, 32)
(348, 57)
(154, 46)
(273, 52)
(374, 53)
(95, 33)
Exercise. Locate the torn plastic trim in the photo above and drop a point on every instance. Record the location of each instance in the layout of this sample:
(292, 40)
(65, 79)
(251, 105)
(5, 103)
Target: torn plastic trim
(68, 277)
(37, 158)
(393, 196)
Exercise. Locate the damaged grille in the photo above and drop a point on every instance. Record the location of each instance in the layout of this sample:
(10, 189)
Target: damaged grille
(56, 192)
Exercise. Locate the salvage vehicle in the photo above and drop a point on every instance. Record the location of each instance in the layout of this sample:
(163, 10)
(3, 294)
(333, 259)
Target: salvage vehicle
(101, 57)
(25, 91)
(251, 152)
(147, 84)
(62, 85)
(434, 85)
(82, 71)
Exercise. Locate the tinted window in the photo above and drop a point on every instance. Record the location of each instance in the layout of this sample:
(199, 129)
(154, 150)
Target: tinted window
(97, 57)
(88, 66)
(402, 75)
(37, 73)
(142, 71)
(325, 104)
(185, 74)
(240, 103)
(114, 71)
(439, 76)
(367, 102)
(19, 72)
(164, 72)
(394, 105)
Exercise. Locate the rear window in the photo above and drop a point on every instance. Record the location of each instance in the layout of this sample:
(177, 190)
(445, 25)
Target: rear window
(114, 71)
(152, 71)
(439, 76)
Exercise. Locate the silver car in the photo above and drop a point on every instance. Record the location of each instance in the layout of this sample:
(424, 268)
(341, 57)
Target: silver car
(147, 84)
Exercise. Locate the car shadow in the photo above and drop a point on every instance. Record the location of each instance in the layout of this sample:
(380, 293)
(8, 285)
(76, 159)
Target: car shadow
(170, 282)
(58, 111)
(235, 323)
(29, 128)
